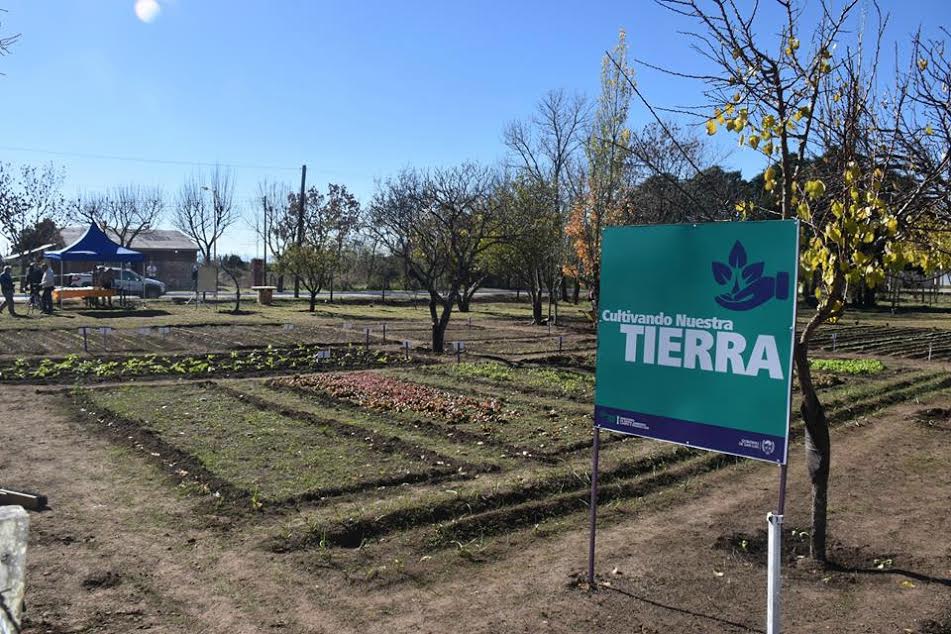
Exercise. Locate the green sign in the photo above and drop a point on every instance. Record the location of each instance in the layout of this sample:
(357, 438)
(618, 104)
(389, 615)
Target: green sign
(695, 334)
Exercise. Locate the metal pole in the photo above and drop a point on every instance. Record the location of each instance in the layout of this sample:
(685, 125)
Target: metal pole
(594, 504)
(774, 522)
(300, 222)
(833, 342)
(264, 263)
(560, 342)
(384, 333)
(929, 350)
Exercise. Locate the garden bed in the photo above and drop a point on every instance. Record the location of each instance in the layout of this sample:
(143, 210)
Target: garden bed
(257, 362)
(243, 451)
(531, 427)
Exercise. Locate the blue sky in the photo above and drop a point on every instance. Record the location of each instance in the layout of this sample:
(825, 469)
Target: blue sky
(356, 90)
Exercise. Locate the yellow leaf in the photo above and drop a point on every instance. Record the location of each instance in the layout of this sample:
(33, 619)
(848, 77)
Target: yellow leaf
(836, 96)
(929, 130)
(794, 43)
(711, 127)
(922, 64)
(851, 173)
(754, 141)
(815, 189)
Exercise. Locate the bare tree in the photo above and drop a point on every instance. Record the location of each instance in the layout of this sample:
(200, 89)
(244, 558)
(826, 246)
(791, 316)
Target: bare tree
(546, 150)
(28, 196)
(278, 223)
(205, 209)
(439, 223)
(126, 212)
(6, 41)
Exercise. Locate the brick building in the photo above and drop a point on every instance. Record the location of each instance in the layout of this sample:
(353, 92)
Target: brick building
(171, 252)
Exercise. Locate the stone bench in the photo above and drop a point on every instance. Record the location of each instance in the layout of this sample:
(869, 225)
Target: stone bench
(265, 294)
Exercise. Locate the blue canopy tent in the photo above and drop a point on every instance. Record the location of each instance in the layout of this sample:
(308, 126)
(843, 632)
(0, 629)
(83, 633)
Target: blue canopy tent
(93, 246)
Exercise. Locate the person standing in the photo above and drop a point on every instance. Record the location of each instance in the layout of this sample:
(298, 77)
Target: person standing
(34, 282)
(7, 287)
(108, 281)
(48, 282)
(25, 280)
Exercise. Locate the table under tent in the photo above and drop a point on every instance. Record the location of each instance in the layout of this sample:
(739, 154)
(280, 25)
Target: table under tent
(96, 247)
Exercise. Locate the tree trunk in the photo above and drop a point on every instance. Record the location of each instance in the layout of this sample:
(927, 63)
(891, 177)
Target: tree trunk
(331, 289)
(313, 301)
(441, 319)
(280, 283)
(564, 289)
(818, 452)
(537, 309)
(576, 294)
(466, 294)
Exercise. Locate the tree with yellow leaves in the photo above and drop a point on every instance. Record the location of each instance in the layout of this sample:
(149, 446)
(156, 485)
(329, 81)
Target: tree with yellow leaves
(607, 156)
(836, 150)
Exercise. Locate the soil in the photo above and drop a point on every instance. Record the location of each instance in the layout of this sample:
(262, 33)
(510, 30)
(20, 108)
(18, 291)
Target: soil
(124, 548)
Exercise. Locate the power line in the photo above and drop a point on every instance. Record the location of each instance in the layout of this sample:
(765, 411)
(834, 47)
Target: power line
(133, 159)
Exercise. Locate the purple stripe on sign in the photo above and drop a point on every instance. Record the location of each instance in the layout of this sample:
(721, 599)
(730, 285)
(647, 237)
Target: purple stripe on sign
(698, 435)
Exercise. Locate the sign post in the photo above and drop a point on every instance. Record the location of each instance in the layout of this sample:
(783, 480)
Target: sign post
(695, 345)
(458, 347)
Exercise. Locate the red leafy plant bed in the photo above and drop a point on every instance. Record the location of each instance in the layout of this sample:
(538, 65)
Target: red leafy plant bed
(374, 391)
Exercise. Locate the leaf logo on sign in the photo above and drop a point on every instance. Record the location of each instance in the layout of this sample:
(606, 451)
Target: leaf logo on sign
(748, 287)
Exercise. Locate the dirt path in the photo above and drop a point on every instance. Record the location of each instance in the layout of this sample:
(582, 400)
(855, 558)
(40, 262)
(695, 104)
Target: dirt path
(123, 550)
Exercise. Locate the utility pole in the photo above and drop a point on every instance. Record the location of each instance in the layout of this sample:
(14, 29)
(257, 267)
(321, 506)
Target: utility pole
(264, 236)
(300, 222)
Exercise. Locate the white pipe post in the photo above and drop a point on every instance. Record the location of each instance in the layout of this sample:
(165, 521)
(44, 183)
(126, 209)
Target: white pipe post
(833, 342)
(774, 549)
(773, 571)
(929, 350)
